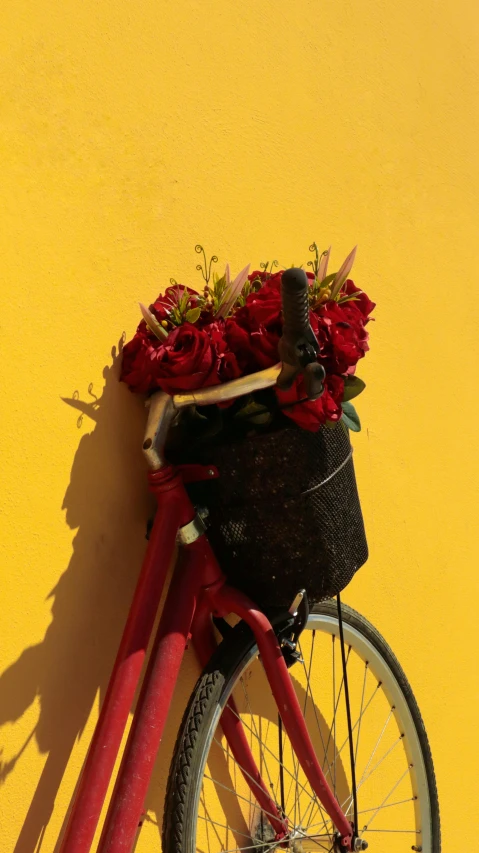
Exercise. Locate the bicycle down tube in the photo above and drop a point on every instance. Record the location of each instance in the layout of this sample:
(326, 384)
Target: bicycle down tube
(174, 511)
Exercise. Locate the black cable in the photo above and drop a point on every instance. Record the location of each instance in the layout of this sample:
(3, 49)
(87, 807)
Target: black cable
(348, 714)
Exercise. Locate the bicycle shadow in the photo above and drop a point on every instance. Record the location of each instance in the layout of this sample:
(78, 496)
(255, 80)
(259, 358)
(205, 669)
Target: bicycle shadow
(107, 503)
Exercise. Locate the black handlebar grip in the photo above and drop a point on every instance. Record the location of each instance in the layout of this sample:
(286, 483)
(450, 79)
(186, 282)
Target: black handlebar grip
(298, 346)
(294, 295)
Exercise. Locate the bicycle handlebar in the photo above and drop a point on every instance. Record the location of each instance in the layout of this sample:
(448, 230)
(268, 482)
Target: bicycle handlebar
(298, 349)
(298, 346)
(294, 296)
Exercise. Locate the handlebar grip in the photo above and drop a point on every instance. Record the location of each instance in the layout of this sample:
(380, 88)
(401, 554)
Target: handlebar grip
(298, 346)
(294, 295)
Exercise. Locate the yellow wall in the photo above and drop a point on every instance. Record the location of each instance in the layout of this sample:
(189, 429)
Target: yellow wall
(129, 132)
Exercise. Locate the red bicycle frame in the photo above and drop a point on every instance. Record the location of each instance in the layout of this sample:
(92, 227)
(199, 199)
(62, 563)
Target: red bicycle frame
(197, 591)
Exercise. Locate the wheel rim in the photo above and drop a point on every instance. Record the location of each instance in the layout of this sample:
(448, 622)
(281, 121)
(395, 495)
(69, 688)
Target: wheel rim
(394, 810)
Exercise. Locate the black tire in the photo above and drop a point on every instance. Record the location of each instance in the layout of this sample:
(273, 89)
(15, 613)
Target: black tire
(211, 692)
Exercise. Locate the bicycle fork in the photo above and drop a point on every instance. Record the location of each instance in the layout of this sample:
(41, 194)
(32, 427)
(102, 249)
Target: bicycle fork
(228, 600)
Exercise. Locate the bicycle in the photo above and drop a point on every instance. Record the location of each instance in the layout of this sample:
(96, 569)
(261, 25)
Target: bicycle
(269, 754)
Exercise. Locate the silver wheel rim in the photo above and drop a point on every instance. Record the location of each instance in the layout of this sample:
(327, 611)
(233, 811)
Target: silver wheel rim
(380, 670)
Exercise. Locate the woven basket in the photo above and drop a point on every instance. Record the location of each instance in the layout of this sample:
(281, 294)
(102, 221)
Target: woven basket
(285, 513)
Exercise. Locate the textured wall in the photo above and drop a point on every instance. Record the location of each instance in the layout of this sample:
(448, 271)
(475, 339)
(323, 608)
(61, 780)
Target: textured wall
(129, 132)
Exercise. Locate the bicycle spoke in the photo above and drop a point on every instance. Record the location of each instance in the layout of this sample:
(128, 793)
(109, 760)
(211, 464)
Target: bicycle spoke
(357, 721)
(232, 791)
(332, 727)
(391, 748)
(335, 707)
(361, 711)
(386, 798)
(281, 774)
(223, 826)
(309, 792)
(254, 724)
(264, 847)
(388, 805)
(316, 841)
(338, 753)
(376, 746)
(308, 682)
(408, 831)
(209, 821)
(309, 692)
(383, 758)
(233, 759)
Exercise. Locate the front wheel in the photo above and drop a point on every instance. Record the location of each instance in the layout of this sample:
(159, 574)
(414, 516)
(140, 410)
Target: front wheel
(210, 806)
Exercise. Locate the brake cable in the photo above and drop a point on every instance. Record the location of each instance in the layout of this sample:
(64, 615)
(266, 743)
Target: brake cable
(348, 714)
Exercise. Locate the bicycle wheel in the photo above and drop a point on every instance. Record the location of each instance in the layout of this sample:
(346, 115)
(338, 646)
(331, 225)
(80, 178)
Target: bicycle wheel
(210, 808)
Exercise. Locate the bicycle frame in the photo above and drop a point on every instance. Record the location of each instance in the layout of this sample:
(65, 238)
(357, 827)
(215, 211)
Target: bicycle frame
(197, 591)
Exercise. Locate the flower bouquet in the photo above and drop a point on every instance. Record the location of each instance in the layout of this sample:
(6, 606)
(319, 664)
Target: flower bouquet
(284, 513)
(189, 339)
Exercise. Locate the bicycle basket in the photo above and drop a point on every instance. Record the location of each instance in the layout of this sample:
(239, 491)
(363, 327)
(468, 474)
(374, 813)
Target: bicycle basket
(285, 513)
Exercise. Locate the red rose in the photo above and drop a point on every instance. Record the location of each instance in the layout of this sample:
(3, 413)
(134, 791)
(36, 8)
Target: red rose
(161, 308)
(255, 345)
(228, 367)
(185, 361)
(341, 335)
(264, 306)
(264, 346)
(253, 332)
(137, 368)
(237, 339)
(362, 302)
(311, 414)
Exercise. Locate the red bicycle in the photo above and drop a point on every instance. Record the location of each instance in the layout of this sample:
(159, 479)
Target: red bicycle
(302, 732)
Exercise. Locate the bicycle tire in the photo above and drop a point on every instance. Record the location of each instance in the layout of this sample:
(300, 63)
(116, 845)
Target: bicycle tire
(212, 691)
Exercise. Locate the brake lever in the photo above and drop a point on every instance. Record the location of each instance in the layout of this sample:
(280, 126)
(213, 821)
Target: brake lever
(314, 376)
(297, 358)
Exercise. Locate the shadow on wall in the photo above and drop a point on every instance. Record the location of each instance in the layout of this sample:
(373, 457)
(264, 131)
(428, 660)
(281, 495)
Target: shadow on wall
(107, 501)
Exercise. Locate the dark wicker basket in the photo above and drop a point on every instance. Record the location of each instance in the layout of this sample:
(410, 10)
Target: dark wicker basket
(285, 513)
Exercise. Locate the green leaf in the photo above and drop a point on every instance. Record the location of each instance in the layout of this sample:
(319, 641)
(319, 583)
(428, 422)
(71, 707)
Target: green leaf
(350, 417)
(193, 315)
(348, 298)
(232, 292)
(352, 387)
(251, 409)
(327, 281)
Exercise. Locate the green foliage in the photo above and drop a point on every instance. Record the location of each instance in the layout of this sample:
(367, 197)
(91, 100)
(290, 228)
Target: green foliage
(193, 314)
(350, 417)
(353, 386)
(327, 281)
